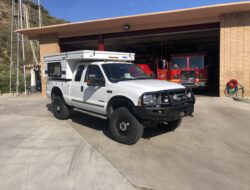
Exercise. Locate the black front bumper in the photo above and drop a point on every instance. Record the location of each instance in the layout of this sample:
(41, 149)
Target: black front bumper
(158, 115)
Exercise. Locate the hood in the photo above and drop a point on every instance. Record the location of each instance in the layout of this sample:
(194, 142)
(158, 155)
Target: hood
(151, 85)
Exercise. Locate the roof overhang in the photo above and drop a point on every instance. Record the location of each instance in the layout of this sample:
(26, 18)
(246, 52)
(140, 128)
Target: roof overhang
(191, 16)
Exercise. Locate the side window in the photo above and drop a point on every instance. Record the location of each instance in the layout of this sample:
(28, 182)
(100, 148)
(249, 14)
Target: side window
(79, 72)
(94, 71)
(54, 69)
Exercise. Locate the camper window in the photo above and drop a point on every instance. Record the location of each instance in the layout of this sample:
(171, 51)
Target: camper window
(54, 69)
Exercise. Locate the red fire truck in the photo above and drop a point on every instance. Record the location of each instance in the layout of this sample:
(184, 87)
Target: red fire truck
(153, 66)
(188, 69)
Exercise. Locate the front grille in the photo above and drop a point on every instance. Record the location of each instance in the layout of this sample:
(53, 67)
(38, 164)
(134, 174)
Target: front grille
(188, 76)
(178, 95)
(175, 97)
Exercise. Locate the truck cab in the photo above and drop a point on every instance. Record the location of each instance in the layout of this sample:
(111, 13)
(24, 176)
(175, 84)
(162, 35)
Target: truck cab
(109, 86)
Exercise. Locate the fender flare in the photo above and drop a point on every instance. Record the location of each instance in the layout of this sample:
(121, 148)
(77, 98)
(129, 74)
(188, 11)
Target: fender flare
(122, 100)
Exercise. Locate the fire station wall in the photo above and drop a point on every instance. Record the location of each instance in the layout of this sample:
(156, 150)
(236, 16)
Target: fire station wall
(49, 44)
(235, 50)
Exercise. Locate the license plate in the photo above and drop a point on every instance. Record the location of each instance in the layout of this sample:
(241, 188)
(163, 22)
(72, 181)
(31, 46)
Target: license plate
(182, 114)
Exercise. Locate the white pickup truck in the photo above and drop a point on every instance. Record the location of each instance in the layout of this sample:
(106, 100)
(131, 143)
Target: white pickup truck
(108, 85)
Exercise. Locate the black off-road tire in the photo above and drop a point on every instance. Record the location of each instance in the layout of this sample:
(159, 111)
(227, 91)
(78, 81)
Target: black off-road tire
(60, 109)
(122, 119)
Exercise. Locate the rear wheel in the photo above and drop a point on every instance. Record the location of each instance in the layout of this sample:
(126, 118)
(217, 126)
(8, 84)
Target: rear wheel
(124, 127)
(60, 109)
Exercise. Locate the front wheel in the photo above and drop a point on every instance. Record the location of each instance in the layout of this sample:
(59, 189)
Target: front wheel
(124, 127)
(60, 109)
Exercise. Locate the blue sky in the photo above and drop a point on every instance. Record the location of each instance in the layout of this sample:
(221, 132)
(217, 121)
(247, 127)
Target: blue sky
(82, 10)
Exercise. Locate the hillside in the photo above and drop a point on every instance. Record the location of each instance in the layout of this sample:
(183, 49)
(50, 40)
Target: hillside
(5, 26)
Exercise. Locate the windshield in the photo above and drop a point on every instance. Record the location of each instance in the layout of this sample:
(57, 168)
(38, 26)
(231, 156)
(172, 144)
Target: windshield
(123, 71)
(196, 62)
(178, 63)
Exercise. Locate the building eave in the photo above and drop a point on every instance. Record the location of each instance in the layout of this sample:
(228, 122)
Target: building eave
(190, 16)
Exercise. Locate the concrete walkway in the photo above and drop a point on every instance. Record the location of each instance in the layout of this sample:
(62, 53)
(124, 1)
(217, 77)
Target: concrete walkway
(38, 152)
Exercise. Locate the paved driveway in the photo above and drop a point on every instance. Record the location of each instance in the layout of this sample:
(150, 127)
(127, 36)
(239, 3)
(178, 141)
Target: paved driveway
(209, 151)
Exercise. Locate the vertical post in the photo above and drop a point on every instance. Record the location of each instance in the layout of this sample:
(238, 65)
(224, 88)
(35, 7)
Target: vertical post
(18, 38)
(32, 80)
(101, 46)
(39, 14)
(24, 78)
(11, 42)
(21, 26)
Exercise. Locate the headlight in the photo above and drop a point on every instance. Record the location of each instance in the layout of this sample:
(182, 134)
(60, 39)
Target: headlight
(155, 99)
(149, 99)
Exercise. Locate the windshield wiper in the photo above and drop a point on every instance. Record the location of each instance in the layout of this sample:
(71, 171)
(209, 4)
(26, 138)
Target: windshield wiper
(143, 77)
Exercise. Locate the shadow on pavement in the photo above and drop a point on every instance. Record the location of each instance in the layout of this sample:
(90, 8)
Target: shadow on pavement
(103, 125)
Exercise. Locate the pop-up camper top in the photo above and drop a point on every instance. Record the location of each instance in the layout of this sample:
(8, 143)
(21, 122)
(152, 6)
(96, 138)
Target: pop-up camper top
(62, 65)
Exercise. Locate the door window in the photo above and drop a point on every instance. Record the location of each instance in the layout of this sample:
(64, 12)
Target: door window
(94, 71)
(79, 73)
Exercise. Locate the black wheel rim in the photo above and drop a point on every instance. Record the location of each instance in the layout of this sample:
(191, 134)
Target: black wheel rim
(57, 107)
(123, 126)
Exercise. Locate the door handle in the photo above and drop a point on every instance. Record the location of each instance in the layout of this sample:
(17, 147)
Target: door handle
(81, 88)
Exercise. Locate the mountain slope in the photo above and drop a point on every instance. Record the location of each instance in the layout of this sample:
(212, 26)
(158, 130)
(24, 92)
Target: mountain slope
(5, 28)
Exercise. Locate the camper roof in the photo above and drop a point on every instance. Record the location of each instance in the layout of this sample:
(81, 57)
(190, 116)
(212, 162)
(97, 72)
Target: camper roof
(91, 55)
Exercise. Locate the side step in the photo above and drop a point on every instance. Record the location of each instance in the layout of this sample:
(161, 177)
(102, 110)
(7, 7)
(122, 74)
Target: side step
(90, 113)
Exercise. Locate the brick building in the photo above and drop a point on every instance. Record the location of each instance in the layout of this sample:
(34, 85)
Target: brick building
(222, 31)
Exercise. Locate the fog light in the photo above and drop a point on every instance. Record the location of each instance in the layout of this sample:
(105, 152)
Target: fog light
(166, 100)
(189, 95)
(174, 97)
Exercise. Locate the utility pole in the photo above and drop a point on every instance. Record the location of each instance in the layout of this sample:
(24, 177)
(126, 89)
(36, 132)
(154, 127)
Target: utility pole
(18, 44)
(11, 41)
(21, 26)
(24, 77)
(39, 14)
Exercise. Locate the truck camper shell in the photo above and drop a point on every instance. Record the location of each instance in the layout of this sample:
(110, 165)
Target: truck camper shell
(62, 65)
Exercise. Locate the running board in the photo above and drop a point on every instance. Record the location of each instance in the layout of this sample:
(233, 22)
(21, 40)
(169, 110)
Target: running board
(90, 113)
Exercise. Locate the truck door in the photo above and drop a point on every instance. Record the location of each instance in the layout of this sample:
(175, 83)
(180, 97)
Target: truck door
(77, 86)
(94, 95)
